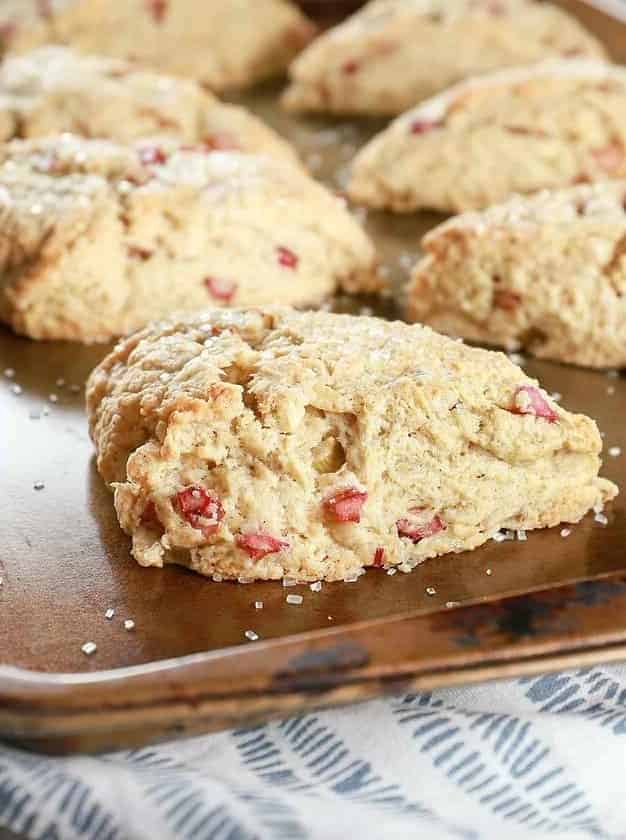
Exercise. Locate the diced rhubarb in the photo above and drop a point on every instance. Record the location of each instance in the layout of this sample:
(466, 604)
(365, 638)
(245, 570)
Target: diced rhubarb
(44, 8)
(152, 155)
(139, 252)
(529, 400)
(495, 8)
(201, 510)
(158, 9)
(7, 31)
(503, 299)
(424, 126)
(220, 140)
(220, 288)
(346, 506)
(149, 516)
(379, 557)
(610, 157)
(257, 545)
(287, 257)
(349, 67)
(419, 524)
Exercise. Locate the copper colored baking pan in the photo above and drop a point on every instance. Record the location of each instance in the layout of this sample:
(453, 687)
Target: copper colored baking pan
(507, 608)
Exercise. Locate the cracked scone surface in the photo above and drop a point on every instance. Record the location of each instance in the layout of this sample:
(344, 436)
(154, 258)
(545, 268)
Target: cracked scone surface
(263, 443)
(546, 274)
(56, 89)
(221, 44)
(549, 125)
(100, 238)
(394, 53)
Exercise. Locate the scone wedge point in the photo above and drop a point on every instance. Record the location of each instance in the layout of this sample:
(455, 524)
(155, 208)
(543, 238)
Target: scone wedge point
(392, 54)
(221, 43)
(545, 126)
(258, 444)
(100, 238)
(545, 274)
(55, 89)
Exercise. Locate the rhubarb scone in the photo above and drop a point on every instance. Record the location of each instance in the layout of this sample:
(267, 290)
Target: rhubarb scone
(546, 274)
(221, 44)
(262, 443)
(549, 125)
(393, 53)
(56, 89)
(99, 238)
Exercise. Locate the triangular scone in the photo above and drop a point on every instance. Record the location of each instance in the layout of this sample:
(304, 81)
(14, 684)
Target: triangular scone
(546, 274)
(549, 125)
(256, 444)
(394, 53)
(99, 238)
(222, 43)
(56, 89)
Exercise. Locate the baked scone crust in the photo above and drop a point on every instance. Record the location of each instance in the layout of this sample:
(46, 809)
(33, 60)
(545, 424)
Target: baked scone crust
(544, 126)
(56, 89)
(221, 44)
(266, 443)
(99, 238)
(545, 274)
(392, 54)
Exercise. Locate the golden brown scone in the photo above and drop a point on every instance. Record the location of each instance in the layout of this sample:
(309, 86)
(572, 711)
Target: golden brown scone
(99, 238)
(221, 43)
(543, 126)
(546, 274)
(263, 443)
(393, 53)
(56, 89)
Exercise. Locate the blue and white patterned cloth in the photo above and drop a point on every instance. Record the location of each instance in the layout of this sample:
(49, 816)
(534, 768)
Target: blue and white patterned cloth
(538, 757)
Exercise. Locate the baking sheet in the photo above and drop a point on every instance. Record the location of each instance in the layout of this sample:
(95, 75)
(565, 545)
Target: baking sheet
(64, 560)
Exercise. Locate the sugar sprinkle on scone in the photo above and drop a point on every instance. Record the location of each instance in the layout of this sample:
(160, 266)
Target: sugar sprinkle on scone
(267, 443)
(392, 54)
(549, 125)
(99, 238)
(56, 89)
(221, 43)
(546, 274)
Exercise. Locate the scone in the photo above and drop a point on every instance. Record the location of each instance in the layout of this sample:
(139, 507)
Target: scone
(546, 274)
(221, 43)
(393, 53)
(55, 89)
(99, 238)
(267, 443)
(550, 125)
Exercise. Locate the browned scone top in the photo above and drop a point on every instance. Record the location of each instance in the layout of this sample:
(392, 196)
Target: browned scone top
(99, 238)
(542, 126)
(392, 54)
(221, 44)
(546, 274)
(268, 443)
(56, 89)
